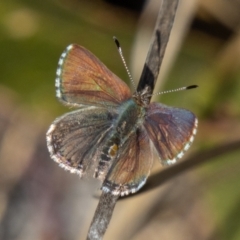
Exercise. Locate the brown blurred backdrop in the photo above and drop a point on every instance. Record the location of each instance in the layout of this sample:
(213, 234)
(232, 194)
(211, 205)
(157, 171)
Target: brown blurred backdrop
(38, 200)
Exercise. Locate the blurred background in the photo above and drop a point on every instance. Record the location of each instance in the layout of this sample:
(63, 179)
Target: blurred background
(38, 200)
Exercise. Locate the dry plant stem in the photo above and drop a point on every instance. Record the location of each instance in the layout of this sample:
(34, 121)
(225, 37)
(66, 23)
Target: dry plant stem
(160, 39)
(102, 216)
(149, 76)
(198, 158)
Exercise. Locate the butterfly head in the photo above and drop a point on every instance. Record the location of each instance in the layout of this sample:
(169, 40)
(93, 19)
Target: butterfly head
(143, 97)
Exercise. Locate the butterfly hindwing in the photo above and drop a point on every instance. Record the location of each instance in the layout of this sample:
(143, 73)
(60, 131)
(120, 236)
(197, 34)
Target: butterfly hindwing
(171, 130)
(75, 139)
(132, 165)
(82, 79)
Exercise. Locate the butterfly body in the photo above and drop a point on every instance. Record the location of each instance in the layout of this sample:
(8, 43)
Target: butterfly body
(113, 133)
(129, 118)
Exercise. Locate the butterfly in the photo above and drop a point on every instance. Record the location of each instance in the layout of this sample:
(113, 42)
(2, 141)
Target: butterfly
(113, 134)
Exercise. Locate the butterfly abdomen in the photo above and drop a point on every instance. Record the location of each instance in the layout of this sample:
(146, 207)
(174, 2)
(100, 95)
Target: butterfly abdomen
(108, 154)
(124, 125)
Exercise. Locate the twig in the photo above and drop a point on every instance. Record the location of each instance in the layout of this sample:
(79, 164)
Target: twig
(198, 158)
(160, 39)
(102, 216)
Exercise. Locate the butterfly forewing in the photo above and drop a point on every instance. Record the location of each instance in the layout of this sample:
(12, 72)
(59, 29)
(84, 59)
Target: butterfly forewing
(171, 130)
(130, 170)
(75, 140)
(83, 80)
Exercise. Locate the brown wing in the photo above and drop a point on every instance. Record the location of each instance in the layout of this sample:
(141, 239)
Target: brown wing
(75, 139)
(83, 80)
(171, 130)
(132, 166)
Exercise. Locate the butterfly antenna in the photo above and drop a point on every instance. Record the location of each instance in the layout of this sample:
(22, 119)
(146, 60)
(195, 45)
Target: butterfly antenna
(124, 62)
(176, 90)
